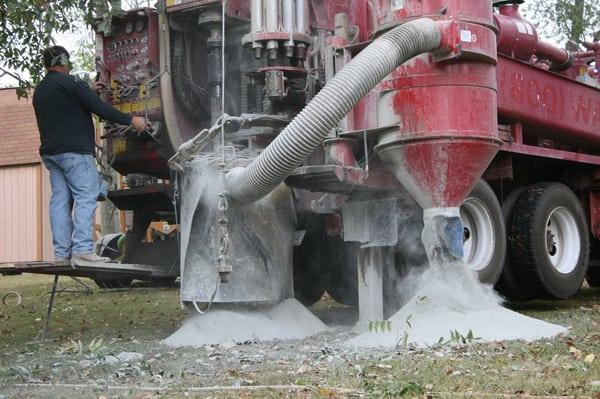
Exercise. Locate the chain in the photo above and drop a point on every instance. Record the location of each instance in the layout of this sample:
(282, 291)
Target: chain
(224, 268)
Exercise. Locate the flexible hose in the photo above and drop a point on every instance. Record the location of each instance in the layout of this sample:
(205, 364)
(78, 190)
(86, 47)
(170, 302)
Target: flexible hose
(306, 132)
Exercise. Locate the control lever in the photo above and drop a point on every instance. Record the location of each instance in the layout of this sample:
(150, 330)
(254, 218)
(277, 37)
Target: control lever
(190, 148)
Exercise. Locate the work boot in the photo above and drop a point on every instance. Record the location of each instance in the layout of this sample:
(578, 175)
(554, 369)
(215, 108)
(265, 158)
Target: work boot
(79, 259)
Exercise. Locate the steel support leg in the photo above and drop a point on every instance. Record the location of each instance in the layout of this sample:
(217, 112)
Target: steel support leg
(50, 306)
(370, 286)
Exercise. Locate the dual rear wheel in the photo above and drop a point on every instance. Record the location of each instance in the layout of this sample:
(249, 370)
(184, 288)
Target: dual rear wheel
(548, 243)
(534, 246)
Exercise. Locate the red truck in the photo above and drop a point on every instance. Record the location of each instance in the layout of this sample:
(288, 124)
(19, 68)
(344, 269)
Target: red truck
(489, 120)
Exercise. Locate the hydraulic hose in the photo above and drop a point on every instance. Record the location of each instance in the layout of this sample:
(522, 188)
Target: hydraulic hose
(307, 131)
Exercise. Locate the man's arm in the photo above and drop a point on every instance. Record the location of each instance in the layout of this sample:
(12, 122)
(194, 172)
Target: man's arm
(95, 105)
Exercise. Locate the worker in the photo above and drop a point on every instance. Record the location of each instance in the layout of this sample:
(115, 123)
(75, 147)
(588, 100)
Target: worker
(63, 107)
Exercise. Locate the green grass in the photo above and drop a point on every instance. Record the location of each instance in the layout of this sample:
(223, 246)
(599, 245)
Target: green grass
(136, 320)
(144, 313)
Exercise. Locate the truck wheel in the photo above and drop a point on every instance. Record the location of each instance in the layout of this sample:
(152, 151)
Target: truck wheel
(108, 246)
(593, 275)
(311, 263)
(343, 286)
(484, 233)
(549, 240)
(508, 284)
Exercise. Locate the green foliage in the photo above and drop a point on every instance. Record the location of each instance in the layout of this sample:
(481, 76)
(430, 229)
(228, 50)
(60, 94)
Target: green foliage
(84, 56)
(564, 20)
(26, 28)
(380, 326)
(458, 338)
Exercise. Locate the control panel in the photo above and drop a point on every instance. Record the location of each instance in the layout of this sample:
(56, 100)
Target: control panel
(130, 63)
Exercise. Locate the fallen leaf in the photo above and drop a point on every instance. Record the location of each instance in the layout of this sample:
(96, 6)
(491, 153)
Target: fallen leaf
(303, 369)
(589, 359)
(575, 352)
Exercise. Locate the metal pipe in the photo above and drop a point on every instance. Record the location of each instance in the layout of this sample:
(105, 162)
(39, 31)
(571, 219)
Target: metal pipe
(302, 25)
(518, 38)
(307, 131)
(289, 16)
(272, 25)
(257, 16)
(561, 59)
(289, 25)
(272, 15)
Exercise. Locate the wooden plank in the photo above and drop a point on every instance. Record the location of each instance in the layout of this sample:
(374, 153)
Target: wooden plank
(83, 270)
(8, 269)
(89, 268)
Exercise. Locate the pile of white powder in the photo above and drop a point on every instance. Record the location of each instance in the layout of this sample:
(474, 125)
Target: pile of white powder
(450, 298)
(285, 321)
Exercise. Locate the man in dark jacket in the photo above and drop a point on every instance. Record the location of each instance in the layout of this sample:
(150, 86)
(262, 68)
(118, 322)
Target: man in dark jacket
(63, 107)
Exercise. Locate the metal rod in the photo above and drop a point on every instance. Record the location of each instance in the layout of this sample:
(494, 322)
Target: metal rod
(50, 306)
(223, 78)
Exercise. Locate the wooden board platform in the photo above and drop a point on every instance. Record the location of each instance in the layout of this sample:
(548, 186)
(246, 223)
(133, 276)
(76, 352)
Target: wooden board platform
(87, 269)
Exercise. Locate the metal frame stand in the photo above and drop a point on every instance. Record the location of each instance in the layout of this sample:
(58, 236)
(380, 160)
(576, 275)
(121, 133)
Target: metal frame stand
(84, 288)
(50, 306)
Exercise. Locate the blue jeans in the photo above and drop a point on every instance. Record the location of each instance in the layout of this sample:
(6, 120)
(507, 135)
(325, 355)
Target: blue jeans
(74, 182)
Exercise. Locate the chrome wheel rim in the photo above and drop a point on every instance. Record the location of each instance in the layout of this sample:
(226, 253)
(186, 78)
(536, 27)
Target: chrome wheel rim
(562, 240)
(479, 241)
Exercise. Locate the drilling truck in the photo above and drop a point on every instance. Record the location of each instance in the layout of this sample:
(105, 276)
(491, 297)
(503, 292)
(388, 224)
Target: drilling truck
(299, 146)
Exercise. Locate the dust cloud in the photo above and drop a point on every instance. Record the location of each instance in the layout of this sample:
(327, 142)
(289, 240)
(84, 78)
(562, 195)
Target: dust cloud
(449, 303)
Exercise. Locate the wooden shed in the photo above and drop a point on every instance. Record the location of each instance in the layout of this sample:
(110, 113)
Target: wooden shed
(24, 185)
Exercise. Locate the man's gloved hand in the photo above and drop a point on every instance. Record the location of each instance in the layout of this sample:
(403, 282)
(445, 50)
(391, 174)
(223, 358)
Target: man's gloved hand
(97, 86)
(139, 123)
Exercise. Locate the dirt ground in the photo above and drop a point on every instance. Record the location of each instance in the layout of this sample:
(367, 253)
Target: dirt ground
(107, 344)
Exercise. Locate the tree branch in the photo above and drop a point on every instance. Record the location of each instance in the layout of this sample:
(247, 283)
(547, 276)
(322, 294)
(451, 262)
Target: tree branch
(13, 75)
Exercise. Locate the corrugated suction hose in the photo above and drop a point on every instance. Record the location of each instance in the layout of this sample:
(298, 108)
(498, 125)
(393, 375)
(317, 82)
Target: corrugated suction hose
(306, 132)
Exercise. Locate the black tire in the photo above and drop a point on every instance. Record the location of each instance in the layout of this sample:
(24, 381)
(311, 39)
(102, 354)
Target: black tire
(343, 285)
(113, 282)
(508, 284)
(593, 275)
(481, 210)
(409, 256)
(533, 246)
(312, 269)
(108, 246)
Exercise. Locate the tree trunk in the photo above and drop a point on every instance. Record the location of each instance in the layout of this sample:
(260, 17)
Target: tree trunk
(577, 21)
